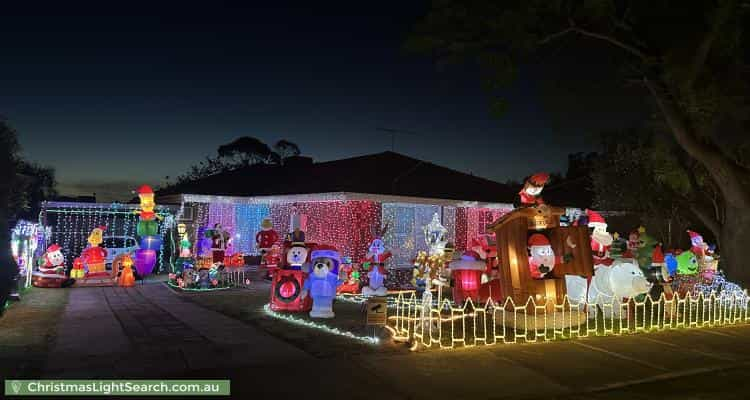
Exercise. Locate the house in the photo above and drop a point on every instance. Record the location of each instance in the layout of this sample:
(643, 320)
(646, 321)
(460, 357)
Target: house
(343, 201)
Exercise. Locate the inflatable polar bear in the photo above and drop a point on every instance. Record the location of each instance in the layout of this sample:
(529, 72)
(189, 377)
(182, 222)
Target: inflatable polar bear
(609, 286)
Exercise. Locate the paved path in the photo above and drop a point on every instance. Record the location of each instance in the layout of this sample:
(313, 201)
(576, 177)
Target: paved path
(149, 331)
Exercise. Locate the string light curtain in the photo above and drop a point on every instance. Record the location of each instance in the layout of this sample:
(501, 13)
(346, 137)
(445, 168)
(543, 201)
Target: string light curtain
(247, 225)
(344, 224)
(71, 223)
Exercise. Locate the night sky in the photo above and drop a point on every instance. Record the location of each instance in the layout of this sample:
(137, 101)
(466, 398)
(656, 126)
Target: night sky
(117, 94)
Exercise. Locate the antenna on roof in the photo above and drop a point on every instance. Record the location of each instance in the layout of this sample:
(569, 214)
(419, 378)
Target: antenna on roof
(393, 133)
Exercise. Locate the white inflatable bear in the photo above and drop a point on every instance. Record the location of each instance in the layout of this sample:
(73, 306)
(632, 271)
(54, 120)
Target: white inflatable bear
(609, 286)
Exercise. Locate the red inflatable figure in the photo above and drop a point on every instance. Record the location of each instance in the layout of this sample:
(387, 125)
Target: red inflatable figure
(286, 290)
(532, 189)
(266, 237)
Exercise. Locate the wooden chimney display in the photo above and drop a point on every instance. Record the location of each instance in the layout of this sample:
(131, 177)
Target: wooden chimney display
(512, 232)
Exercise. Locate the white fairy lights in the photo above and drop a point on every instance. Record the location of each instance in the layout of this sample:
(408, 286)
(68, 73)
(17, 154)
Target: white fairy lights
(320, 326)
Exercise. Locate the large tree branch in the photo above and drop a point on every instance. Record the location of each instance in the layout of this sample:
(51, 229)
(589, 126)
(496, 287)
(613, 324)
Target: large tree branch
(609, 39)
(704, 48)
(711, 223)
(723, 171)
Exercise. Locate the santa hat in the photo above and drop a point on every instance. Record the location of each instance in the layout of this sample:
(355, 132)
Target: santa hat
(324, 250)
(695, 236)
(538, 239)
(53, 248)
(595, 219)
(539, 179)
(657, 257)
(145, 189)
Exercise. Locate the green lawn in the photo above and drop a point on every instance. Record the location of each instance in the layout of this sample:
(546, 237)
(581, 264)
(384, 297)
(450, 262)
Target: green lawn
(27, 330)
(247, 306)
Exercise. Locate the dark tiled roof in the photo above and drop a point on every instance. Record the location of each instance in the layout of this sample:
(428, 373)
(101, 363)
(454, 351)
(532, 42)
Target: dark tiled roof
(385, 173)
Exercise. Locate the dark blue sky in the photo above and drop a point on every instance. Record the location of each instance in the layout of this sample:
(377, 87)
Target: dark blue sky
(116, 94)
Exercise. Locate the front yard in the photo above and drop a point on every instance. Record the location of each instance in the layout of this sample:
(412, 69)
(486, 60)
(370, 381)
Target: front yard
(27, 331)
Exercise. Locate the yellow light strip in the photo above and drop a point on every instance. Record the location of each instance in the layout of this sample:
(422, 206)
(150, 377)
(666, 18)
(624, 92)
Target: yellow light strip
(449, 326)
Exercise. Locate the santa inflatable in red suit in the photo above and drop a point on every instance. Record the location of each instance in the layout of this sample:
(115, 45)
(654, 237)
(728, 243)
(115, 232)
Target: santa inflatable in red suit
(532, 189)
(542, 258)
(267, 236)
(601, 240)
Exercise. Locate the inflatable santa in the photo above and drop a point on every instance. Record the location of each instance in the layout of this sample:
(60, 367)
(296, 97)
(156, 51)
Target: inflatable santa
(601, 240)
(542, 258)
(532, 189)
(54, 261)
(266, 237)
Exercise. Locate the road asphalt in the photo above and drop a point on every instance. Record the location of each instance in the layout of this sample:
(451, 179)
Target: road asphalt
(150, 332)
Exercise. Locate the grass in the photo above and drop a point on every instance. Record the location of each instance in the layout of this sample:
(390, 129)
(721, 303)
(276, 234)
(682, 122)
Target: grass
(247, 305)
(27, 331)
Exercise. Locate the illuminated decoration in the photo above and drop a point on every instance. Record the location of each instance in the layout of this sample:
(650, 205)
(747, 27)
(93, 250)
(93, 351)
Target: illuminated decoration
(319, 326)
(69, 224)
(51, 273)
(53, 261)
(375, 264)
(542, 258)
(221, 239)
(77, 272)
(531, 192)
(126, 279)
(339, 219)
(286, 291)
(471, 223)
(349, 274)
(24, 242)
(93, 256)
(467, 272)
(601, 240)
(687, 263)
(405, 237)
(468, 325)
(435, 236)
(338, 223)
(322, 281)
(267, 237)
(697, 245)
(646, 244)
(206, 279)
(623, 279)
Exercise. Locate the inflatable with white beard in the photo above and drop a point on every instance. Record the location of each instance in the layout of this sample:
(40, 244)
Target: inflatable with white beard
(323, 281)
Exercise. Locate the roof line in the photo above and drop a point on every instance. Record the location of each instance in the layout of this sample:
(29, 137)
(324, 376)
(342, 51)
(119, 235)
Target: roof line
(339, 196)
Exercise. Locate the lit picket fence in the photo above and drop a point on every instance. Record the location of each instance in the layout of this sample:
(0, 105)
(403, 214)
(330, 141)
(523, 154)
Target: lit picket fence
(450, 326)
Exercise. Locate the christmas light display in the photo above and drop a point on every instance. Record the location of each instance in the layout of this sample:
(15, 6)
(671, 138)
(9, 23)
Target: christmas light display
(69, 225)
(405, 236)
(248, 220)
(449, 326)
(320, 326)
(24, 242)
(342, 224)
(342, 220)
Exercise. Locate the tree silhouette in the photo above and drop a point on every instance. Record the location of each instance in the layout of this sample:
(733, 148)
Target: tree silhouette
(688, 57)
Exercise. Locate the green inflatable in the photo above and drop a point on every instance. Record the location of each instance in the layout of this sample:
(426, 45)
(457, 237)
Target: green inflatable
(147, 228)
(687, 263)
